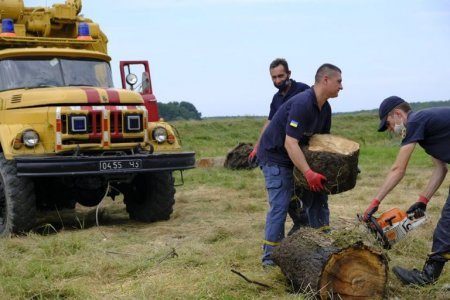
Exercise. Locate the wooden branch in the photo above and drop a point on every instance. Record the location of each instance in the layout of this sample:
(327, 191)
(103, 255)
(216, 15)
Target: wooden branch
(250, 281)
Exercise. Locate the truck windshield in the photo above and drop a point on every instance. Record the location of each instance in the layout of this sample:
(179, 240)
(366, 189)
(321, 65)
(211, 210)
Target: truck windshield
(54, 72)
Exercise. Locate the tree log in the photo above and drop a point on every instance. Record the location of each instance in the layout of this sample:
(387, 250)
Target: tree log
(330, 266)
(237, 158)
(333, 156)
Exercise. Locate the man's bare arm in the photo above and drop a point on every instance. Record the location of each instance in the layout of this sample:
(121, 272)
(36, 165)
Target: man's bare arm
(296, 154)
(397, 171)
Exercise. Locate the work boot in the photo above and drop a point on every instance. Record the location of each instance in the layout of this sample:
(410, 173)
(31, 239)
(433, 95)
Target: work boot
(430, 273)
(294, 228)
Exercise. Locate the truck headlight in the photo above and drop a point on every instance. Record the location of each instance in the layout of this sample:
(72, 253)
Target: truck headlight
(160, 134)
(30, 138)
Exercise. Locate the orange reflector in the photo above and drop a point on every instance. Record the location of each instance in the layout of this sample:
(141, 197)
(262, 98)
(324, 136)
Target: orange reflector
(171, 139)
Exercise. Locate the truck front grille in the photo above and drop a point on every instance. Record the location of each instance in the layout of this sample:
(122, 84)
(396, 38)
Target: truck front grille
(98, 128)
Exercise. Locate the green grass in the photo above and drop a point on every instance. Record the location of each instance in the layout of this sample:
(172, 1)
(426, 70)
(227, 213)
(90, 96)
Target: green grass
(228, 132)
(217, 225)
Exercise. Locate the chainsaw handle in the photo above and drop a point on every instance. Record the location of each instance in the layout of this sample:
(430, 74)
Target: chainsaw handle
(389, 220)
(374, 224)
(412, 216)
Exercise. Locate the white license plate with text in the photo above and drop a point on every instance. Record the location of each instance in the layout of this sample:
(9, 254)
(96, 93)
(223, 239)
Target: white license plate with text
(111, 165)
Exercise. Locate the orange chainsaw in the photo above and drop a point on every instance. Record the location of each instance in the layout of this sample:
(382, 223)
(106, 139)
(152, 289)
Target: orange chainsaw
(393, 225)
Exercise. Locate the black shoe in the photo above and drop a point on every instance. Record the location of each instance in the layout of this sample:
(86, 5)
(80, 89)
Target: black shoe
(294, 228)
(430, 273)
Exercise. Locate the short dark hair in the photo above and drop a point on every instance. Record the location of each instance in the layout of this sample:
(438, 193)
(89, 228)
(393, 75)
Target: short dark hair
(326, 69)
(405, 106)
(279, 61)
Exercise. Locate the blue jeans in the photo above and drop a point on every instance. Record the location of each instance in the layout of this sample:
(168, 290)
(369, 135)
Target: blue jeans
(280, 187)
(316, 207)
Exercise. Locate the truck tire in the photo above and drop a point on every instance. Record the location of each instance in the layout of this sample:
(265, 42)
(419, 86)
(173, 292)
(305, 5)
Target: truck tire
(150, 197)
(17, 200)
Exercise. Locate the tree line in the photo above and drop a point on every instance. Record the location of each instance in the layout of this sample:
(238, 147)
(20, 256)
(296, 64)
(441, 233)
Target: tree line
(178, 111)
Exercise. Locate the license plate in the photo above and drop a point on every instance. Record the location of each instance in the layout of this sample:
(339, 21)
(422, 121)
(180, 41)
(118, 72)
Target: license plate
(112, 165)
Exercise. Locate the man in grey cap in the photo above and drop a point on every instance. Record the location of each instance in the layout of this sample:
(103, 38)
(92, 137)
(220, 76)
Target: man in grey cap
(430, 128)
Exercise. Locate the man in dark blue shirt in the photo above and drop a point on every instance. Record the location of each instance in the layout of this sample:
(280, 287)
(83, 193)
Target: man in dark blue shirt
(287, 87)
(279, 150)
(430, 128)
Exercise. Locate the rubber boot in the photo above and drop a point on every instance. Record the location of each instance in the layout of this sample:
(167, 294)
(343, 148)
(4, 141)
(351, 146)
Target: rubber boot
(430, 273)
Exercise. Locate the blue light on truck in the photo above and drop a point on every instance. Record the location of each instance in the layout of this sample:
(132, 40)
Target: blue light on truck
(7, 28)
(83, 32)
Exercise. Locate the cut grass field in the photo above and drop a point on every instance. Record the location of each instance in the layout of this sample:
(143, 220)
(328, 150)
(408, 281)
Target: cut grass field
(217, 226)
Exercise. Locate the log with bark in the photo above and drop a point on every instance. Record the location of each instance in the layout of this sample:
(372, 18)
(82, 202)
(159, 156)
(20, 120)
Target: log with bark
(332, 266)
(333, 156)
(237, 158)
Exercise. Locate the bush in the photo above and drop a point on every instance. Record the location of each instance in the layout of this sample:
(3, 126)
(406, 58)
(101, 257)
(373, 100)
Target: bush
(178, 111)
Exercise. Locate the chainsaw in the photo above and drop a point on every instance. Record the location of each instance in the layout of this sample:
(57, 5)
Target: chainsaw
(393, 225)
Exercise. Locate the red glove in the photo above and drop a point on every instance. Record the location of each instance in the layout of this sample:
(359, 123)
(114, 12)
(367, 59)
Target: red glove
(314, 180)
(252, 155)
(373, 207)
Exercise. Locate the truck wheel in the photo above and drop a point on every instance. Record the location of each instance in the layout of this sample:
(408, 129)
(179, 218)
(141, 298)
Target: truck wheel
(150, 197)
(17, 200)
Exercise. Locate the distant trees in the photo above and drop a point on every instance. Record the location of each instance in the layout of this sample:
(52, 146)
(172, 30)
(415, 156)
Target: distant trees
(178, 111)
(421, 105)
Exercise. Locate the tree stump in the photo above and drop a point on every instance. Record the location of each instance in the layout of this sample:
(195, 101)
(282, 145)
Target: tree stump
(333, 156)
(237, 158)
(327, 266)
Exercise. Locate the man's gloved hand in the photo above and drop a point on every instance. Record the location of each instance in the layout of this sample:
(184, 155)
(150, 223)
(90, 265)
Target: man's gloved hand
(373, 207)
(314, 180)
(252, 155)
(419, 208)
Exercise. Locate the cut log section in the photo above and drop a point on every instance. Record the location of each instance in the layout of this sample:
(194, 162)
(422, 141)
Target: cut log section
(333, 156)
(237, 158)
(331, 268)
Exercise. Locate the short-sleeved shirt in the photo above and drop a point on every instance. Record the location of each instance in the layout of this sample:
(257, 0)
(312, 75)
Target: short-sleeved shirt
(299, 118)
(278, 99)
(430, 128)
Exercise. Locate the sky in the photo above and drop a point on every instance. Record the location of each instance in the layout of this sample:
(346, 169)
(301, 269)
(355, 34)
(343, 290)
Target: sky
(215, 54)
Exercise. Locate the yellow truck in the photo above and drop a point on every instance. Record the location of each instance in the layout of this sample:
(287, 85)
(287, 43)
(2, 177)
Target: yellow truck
(67, 135)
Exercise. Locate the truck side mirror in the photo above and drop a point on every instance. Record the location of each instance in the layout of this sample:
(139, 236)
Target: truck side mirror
(145, 82)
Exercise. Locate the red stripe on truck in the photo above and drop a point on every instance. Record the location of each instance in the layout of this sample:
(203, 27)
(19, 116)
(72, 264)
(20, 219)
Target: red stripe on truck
(113, 95)
(92, 95)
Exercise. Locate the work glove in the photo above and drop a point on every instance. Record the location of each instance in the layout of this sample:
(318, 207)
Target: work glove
(252, 156)
(373, 207)
(314, 180)
(419, 208)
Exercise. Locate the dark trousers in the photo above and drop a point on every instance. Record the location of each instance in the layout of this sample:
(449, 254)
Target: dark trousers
(441, 236)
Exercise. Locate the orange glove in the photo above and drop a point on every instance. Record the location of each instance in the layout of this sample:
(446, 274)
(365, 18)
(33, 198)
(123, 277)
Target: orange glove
(252, 155)
(373, 207)
(314, 180)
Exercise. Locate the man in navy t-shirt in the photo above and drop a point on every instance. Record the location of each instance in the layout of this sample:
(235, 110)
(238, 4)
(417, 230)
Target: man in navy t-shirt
(430, 128)
(287, 87)
(279, 150)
